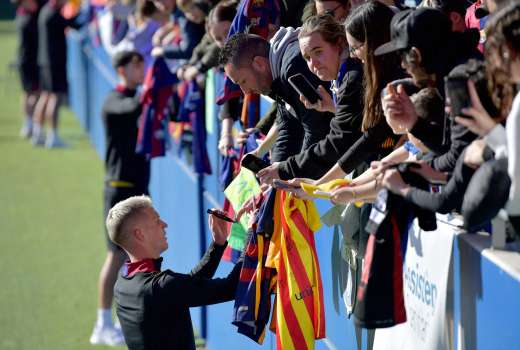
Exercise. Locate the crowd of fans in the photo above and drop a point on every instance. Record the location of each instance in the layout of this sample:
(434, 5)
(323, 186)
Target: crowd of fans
(417, 101)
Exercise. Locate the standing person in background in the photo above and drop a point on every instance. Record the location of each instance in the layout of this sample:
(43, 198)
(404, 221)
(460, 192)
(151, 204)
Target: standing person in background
(127, 175)
(52, 63)
(27, 28)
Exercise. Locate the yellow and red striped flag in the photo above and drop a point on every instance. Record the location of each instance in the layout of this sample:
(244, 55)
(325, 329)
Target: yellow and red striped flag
(300, 314)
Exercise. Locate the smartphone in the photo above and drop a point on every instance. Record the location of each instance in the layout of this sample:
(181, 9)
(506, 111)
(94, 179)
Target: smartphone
(253, 163)
(458, 93)
(280, 184)
(219, 215)
(304, 88)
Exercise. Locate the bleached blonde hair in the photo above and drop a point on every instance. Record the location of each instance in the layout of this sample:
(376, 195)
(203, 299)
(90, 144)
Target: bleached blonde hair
(122, 214)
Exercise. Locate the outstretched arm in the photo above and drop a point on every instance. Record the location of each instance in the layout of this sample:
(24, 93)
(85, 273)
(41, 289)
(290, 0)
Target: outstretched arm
(187, 290)
(209, 263)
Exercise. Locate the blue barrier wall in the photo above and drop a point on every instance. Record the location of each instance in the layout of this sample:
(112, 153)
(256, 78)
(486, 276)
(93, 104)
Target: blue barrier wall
(486, 297)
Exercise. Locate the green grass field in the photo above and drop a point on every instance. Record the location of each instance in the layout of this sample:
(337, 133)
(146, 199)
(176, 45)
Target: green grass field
(51, 240)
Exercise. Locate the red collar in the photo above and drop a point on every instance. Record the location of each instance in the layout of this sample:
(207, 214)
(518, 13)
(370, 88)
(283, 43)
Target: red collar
(124, 90)
(120, 88)
(145, 265)
(25, 11)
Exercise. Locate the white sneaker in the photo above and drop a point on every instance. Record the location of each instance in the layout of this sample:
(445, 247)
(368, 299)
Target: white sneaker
(110, 336)
(117, 324)
(54, 141)
(26, 131)
(38, 138)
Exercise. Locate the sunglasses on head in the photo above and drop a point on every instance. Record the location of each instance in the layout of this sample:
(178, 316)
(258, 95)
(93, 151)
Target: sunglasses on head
(333, 11)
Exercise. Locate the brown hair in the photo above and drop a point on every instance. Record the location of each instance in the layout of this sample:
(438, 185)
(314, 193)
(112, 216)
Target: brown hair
(224, 11)
(325, 25)
(428, 102)
(503, 43)
(369, 23)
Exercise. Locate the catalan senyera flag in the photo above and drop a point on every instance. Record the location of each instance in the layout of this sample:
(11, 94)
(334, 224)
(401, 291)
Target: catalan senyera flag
(299, 312)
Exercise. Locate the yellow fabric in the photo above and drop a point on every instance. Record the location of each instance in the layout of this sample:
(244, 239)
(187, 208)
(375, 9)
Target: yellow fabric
(326, 187)
(274, 246)
(260, 254)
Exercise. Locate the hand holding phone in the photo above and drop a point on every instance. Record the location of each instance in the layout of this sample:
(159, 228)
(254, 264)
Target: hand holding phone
(304, 88)
(458, 93)
(389, 90)
(253, 163)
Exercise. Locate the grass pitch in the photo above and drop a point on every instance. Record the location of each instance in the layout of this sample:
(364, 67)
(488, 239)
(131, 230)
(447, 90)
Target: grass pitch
(51, 238)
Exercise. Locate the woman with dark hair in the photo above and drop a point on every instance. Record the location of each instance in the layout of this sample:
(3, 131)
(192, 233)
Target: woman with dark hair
(365, 30)
(367, 27)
